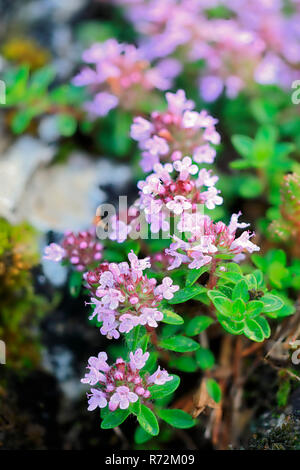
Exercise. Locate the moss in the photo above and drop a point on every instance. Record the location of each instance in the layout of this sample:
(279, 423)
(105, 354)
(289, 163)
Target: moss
(284, 437)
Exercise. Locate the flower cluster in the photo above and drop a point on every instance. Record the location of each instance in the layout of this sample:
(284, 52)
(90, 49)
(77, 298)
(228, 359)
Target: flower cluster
(232, 55)
(124, 297)
(256, 42)
(82, 250)
(208, 240)
(163, 195)
(176, 132)
(122, 383)
(118, 74)
(172, 192)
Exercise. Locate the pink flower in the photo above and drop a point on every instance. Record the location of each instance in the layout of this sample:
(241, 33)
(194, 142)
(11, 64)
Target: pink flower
(243, 242)
(160, 377)
(148, 161)
(178, 258)
(205, 154)
(99, 362)
(110, 297)
(107, 279)
(81, 250)
(211, 135)
(205, 178)
(123, 383)
(199, 260)
(96, 364)
(150, 317)
(207, 239)
(178, 131)
(123, 296)
(118, 74)
(177, 102)
(122, 398)
(93, 376)
(211, 198)
(165, 194)
(87, 76)
(127, 322)
(101, 105)
(54, 252)
(109, 327)
(138, 265)
(156, 146)
(167, 289)
(211, 88)
(119, 230)
(234, 224)
(141, 129)
(98, 310)
(190, 119)
(96, 399)
(185, 168)
(138, 359)
(179, 205)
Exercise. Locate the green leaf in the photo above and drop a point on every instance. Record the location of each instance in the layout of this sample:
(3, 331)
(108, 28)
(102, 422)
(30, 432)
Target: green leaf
(263, 111)
(151, 364)
(104, 412)
(132, 338)
(231, 276)
(179, 344)
(194, 274)
(177, 418)
(251, 281)
(238, 309)
(141, 436)
(241, 164)
(17, 89)
(251, 187)
(75, 283)
(161, 391)
(184, 363)
(253, 330)
(114, 418)
(264, 145)
(21, 120)
(135, 408)
(233, 327)
(278, 274)
(186, 294)
(171, 317)
(222, 303)
(254, 308)
(143, 342)
(259, 277)
(225, 290)
(205, 358)
(234, 268)
(271, 303)
(42, 78)
(122, 123)
(244, 145)
(66, 124)
(264, 326)
(240, 291)
(214, 390)
(198, 324)
(148, 421)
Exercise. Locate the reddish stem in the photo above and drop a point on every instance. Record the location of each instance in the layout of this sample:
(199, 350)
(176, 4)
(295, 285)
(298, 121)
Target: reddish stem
(212, 281)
